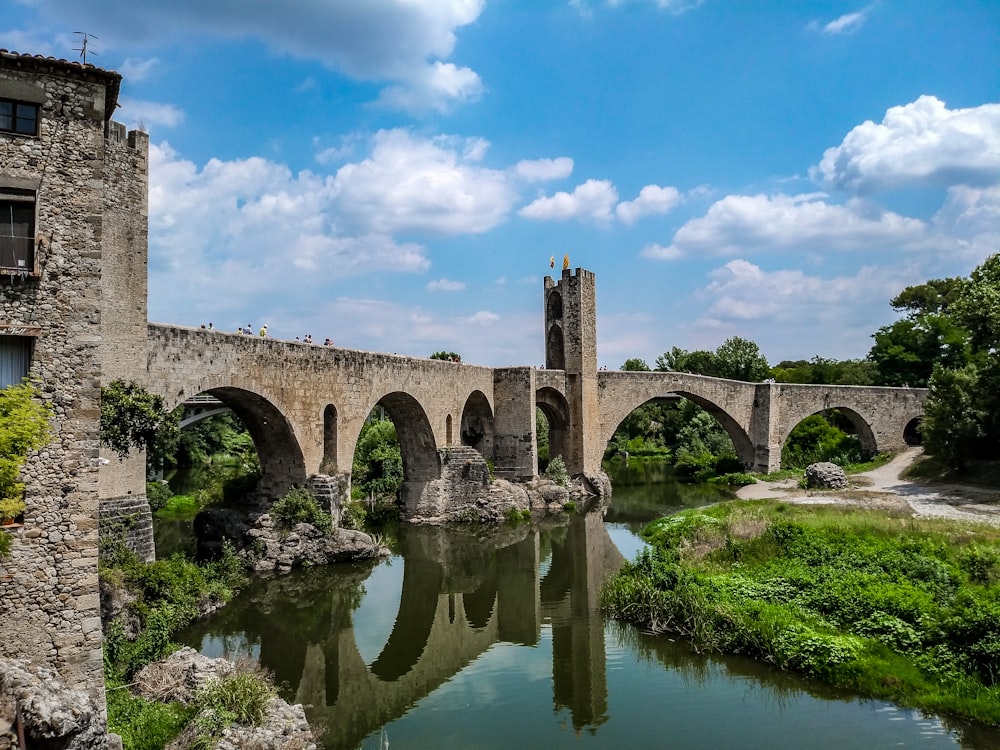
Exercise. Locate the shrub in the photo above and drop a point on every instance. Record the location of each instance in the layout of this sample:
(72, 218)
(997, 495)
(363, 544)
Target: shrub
(157, 493)
(300, 506)
(556, 471)
(4, 544)
(24, 427)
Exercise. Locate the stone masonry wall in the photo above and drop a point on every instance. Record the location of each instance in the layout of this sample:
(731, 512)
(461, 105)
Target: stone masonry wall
(50, 611)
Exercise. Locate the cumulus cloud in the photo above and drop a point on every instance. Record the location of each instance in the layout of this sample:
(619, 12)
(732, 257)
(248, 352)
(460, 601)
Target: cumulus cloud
(920, 143)
(399, 41)
(445, 285)
(592, 201)
(845, 24)
(777, 307)
(740, 224)
(652, 199)
(433, 186)
(149, 115)
(537, 170)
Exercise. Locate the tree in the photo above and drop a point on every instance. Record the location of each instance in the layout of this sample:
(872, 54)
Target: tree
(24, 427)
(906, 351)
(740, 359)
(737, 358)
(962, 416)
(635, 364)
(132, 417)
(447, 356)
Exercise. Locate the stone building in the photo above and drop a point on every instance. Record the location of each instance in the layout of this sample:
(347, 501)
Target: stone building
(73, 224)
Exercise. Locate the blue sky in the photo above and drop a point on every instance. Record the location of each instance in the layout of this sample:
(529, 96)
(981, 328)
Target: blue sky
(396, 174)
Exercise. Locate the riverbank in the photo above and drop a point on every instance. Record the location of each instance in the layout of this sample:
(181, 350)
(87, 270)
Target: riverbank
(886, 588)
(884, 488)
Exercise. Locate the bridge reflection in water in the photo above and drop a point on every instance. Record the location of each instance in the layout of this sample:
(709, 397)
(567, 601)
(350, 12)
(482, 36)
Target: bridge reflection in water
(462, 592)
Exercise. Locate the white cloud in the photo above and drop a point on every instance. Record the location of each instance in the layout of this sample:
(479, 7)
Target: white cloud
(659, 252)
(483, 318)
(134, 69)
(741, 224)
(438, 87)
(921, 143)
(592, 201)
(399, 41)
(149, 115)
(445, 285)
(245, 231)
(676, 7)
(786, 310)
(428, 186)
(652, 199)
(538, 170)
(845, 24)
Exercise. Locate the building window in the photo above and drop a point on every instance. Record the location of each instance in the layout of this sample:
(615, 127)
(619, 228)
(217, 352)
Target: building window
(17, 231)
(15, 359)
(18, 117)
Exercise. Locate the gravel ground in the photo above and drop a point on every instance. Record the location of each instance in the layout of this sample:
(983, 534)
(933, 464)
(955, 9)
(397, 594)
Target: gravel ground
(882, 488)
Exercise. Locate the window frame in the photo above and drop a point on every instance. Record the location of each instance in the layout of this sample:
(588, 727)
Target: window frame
(10, 196)
(15, 105)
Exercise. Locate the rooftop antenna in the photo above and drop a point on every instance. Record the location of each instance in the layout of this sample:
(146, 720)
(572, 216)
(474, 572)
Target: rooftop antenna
(83, 49)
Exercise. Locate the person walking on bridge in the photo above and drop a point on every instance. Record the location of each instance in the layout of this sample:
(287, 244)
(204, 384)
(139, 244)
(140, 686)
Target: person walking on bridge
(263, 331)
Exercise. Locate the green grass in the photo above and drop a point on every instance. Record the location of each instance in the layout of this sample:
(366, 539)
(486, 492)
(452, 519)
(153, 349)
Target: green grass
(178, 507)
(887, 605)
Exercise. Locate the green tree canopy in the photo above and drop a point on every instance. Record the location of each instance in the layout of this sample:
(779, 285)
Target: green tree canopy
(132, 417)
(447, 356)
(737, 358)
(635, 364)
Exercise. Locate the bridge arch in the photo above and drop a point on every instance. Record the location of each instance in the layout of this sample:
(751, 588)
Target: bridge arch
(281, 460)
(862, 429)
(556, 410)
(741, 440)
(417, 445)
(477, 423)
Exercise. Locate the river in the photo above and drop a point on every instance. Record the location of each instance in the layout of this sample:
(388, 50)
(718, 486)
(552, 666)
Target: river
(467, 638)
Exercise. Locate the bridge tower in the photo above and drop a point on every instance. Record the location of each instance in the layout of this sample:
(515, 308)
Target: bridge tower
(571, 346)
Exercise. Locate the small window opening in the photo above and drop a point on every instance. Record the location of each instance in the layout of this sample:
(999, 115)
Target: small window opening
(15, 359)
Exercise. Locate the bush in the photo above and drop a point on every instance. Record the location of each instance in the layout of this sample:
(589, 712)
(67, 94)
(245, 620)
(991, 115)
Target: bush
(4, 544)
(556, 471)
(300, 506)
(157, 494)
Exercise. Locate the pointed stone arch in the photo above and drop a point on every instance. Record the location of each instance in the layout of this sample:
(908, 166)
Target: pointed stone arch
(556, 410)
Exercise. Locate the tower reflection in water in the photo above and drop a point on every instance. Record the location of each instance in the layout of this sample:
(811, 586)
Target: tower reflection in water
(462, 592)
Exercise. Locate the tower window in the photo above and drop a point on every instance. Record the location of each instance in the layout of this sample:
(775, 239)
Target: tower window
(18, 117)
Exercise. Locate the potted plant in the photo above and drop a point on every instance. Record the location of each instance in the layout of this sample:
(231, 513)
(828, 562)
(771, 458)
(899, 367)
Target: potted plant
(10, 508)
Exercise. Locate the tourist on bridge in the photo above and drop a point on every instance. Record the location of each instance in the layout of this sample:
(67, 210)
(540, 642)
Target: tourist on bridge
(263, 331)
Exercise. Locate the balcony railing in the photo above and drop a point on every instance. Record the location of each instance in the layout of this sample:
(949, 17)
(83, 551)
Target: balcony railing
(17, 254)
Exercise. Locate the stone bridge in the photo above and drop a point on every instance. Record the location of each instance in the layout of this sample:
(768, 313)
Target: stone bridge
(305, 405)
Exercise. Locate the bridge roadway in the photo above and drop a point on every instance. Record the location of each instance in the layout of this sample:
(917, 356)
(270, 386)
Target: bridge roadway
(305, 405)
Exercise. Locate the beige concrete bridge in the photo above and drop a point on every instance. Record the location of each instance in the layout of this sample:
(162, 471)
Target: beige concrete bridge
(305, 405)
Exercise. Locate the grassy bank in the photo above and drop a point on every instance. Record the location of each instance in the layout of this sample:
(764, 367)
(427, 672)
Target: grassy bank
(890, 606)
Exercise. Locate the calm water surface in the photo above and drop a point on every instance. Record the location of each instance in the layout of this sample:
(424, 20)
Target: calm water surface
(494, 640)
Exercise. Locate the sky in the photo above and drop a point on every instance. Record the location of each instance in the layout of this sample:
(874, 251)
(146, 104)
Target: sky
(397, 174)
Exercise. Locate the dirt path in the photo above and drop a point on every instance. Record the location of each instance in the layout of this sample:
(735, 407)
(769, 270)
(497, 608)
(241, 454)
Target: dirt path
(882, 488)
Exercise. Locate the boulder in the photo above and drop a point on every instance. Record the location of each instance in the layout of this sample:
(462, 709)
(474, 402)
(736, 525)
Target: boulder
(51, 714)
(825, 476)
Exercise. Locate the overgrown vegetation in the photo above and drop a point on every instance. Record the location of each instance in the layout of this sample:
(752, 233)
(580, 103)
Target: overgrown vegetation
(888, 606)
(378, 464)
(24, 427)
(156, 600)
(299, 506)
